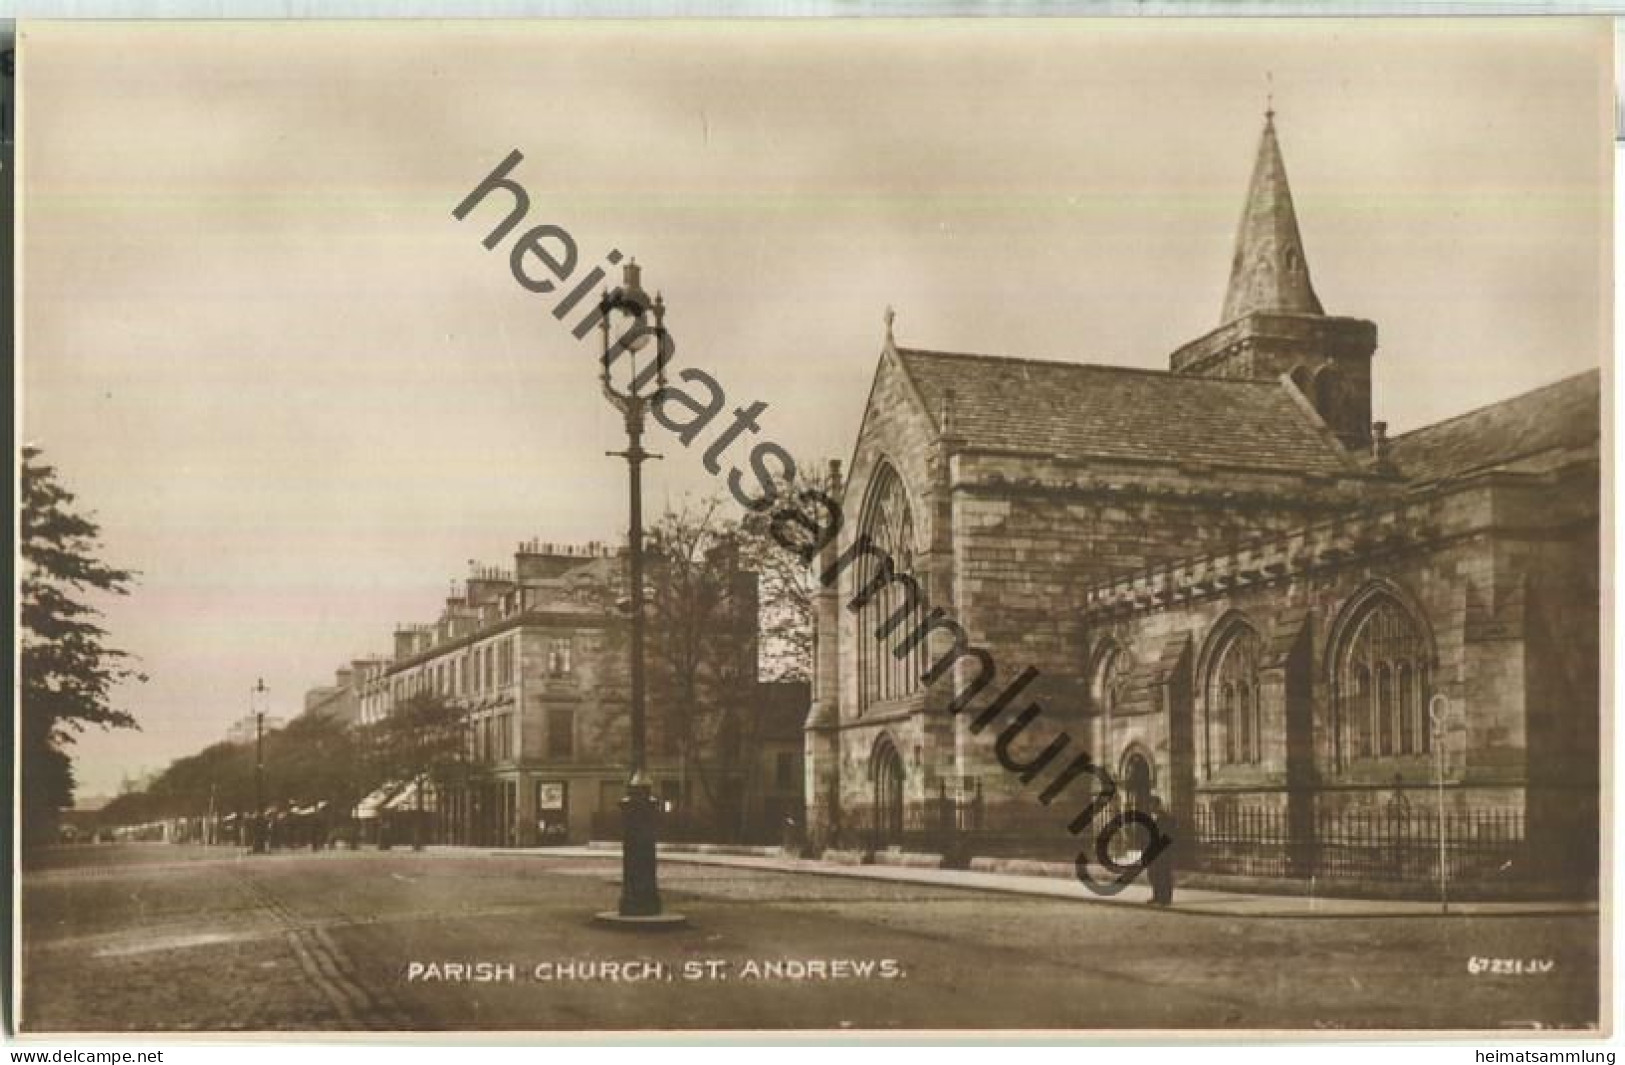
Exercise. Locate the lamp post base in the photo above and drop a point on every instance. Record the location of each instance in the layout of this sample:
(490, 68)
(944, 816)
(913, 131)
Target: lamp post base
(640, 887)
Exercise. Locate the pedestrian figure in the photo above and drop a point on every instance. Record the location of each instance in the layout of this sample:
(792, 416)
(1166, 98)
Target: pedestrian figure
(1399, 825)
(1166, 827)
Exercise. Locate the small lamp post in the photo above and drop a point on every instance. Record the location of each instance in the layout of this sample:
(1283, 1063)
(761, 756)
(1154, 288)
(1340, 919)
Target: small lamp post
(257, 700)
(625, 329)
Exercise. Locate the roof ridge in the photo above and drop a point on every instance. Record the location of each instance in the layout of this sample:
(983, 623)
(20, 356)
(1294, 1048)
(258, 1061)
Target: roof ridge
(1547, 387)
(1144, 371)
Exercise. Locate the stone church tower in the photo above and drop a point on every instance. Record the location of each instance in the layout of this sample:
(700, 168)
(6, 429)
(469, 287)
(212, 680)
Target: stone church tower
(1273, 323)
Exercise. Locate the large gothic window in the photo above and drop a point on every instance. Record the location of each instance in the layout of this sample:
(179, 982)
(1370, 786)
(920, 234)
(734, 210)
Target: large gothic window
(1234, 704)
(889, 526)
(1384, 675)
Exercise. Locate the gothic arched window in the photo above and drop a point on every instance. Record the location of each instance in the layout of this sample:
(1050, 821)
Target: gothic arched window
(894, 606)
(1384, 673)
(1111, 676)
(1235, 708)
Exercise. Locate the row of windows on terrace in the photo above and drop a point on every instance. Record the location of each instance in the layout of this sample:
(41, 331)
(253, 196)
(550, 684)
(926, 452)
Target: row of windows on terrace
(491, 737)
(479, 670)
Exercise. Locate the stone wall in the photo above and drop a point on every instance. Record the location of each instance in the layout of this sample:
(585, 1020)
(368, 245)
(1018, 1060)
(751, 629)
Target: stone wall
(1031, 533)
(1501, 571)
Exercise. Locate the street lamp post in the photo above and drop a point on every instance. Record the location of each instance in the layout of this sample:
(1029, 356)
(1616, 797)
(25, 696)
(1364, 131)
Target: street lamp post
(1438, 708)
(626, 312)
(258, 696)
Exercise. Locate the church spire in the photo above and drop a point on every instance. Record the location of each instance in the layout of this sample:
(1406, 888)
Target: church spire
(1269, 272)
(1262, 335)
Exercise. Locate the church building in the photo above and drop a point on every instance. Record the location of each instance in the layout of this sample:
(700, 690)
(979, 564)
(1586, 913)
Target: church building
(1228, 587)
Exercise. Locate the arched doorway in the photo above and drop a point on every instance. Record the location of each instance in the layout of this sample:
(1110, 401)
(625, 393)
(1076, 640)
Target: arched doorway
(888, 776)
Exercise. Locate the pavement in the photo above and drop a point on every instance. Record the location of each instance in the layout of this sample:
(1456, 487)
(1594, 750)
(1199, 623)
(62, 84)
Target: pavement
(1196, 901)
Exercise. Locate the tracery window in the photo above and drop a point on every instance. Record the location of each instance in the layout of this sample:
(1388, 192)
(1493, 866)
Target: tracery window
(889, 526)
(1384, 681)
(1235, 713)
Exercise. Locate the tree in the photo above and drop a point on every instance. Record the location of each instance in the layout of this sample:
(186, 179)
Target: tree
(703, 651)
(68, 671)
(218, 779)
(425, 739)
(311, 761)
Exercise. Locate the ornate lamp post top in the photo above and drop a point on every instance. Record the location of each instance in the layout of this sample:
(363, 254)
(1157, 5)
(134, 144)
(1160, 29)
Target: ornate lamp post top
(625, 327)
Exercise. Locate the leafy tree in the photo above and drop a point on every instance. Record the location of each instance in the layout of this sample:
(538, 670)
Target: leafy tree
(314, 759)
(426, 735)
(68, 672)
(221, 774)
(703, 614)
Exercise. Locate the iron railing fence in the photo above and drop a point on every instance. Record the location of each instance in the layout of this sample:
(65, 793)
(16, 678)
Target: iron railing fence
(1381, 850)
(941, 824)
(1378, 846)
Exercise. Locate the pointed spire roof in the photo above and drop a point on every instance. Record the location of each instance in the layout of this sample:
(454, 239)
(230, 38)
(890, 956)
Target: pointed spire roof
(1269, 271)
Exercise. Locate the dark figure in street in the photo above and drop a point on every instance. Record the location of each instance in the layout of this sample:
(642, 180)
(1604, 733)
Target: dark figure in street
(1162, 866)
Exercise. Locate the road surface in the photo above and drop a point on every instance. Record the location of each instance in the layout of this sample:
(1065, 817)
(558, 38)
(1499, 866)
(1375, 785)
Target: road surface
(156, 937)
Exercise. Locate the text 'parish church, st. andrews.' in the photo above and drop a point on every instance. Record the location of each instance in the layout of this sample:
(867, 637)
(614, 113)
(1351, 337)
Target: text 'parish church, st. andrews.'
(1229, 588)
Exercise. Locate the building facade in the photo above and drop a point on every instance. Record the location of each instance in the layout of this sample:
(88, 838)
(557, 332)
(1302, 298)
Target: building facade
(246, 729)
(340, 701)
(1222, 584)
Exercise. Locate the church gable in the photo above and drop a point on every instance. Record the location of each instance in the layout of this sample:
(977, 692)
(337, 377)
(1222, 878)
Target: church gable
(897, 435)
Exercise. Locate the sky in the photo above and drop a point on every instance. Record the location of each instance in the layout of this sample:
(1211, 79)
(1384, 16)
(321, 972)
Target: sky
(300, 396)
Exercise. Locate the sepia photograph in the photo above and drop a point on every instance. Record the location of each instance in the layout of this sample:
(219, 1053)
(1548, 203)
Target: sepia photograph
(1037, 527)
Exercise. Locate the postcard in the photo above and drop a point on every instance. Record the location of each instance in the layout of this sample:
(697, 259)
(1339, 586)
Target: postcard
(1072, 526)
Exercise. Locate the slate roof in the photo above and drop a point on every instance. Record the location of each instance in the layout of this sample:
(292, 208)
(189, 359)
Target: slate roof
(1564, 415)
(1120, 412)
